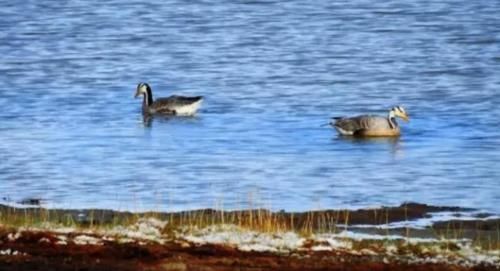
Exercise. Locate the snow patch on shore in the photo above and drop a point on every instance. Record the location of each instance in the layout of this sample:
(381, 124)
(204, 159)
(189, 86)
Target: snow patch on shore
(145, 229)
(246, 240)
(474, 256)
(431, 250)
(13, 236)
(392, 247)
(333, 241)
(87, 240)
(11, 252)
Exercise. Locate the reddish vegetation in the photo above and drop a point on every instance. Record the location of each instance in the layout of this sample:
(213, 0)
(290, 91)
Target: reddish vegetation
(33, 254)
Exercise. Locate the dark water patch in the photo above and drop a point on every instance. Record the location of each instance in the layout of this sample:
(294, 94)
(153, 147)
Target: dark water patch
(478, 225)
(31, 201)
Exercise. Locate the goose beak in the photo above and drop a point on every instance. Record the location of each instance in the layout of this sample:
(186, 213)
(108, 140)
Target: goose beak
(136, 94)
(405, 117)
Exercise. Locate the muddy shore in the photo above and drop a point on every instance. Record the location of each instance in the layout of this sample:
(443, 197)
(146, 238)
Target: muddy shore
(29, 253)
(23, 247)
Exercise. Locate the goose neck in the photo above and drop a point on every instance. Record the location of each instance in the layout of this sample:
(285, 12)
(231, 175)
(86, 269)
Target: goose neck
(148, 97)
(392, 120)
(393, 123)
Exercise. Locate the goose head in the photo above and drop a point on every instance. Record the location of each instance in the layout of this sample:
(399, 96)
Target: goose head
(142, 89)
(399, 111)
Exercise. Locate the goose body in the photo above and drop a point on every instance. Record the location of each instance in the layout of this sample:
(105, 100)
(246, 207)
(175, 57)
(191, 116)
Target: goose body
(174, 105)
(370, 125)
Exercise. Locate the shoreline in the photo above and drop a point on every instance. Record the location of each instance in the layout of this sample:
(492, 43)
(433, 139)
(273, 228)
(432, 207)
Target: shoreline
(55, 239)
(385, 219)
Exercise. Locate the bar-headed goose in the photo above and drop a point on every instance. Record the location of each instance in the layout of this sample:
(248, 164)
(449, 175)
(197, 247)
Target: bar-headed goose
(369, 125)
(173, 105)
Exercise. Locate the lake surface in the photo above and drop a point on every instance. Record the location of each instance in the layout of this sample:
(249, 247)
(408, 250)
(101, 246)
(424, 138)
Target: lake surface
(272, 72)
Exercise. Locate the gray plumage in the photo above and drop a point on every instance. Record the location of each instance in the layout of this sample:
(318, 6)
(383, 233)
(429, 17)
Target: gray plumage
(363, 122)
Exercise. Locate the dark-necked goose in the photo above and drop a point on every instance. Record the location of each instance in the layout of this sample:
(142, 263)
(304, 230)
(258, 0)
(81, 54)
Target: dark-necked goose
(173, 105)
(369, 125)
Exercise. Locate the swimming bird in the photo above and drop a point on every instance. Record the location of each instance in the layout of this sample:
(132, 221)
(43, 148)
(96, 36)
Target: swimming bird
(370, 125)
(173, 105)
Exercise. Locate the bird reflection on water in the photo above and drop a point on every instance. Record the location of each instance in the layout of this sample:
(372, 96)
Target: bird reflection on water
(148, 120)
(394, 143)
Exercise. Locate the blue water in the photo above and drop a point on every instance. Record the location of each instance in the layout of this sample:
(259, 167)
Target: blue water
(272, 73)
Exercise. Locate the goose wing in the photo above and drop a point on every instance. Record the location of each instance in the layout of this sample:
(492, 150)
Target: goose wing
(349, 126)
(173, 103)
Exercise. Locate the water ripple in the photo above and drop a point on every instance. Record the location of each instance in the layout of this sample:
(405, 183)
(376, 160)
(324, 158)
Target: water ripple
(272, 72)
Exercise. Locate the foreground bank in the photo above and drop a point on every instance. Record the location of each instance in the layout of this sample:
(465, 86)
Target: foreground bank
(372, 239)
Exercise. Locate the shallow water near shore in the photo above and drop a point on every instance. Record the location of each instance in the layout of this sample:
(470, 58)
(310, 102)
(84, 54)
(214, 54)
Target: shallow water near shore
(272, 74)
